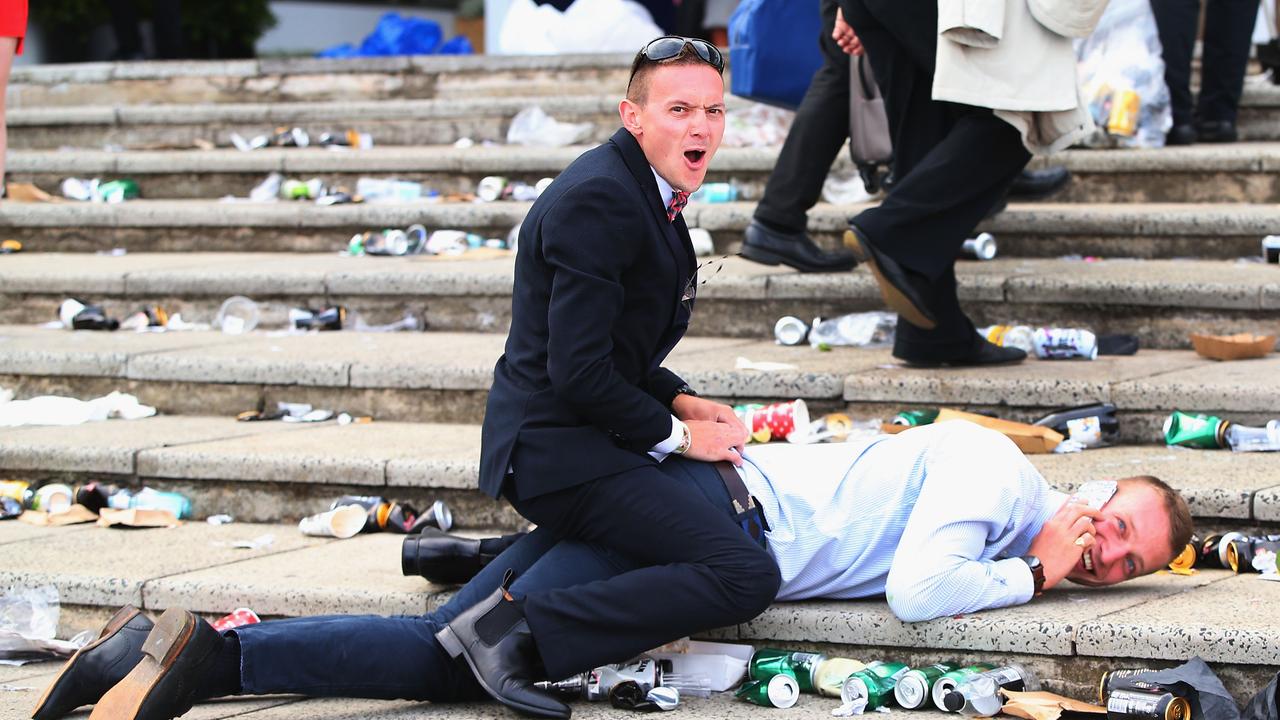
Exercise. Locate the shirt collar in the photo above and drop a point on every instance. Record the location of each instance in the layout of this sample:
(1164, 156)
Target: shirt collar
(664, 189)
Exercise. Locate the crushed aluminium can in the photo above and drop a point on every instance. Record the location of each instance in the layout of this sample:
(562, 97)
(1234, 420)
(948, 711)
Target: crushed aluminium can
(951, 680)
(801, 665)
(790, 330)
(1198, 431)
(912, 690)
(1147, 701)
(982, 247)
(779, 691)
(1065, 344)
(1122, 679)
(875, 683)
(829, 676)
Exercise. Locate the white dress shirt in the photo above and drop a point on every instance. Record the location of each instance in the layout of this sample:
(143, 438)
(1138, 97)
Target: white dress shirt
(935, 518)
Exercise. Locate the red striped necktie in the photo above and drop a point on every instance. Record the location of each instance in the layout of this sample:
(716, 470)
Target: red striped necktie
(679, 199)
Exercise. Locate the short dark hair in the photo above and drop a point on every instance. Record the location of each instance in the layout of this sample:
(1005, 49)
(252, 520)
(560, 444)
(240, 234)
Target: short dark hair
(642, 67)
(1181, 526)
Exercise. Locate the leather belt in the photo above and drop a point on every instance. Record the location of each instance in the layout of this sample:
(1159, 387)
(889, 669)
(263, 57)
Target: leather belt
(745, 508)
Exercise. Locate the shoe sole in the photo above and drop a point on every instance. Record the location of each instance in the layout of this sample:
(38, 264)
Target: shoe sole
(893, 297)
(170, 636)
(453, 646)
(768, 257)
(113, 626)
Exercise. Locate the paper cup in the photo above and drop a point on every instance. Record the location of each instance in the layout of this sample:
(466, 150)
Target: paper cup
(781, 420)
(341, 523)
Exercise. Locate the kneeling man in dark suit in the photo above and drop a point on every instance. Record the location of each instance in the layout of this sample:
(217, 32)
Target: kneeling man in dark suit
(581, 410)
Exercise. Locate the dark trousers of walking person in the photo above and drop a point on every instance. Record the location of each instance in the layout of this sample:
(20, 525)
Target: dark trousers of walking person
(1228, 27)
(820, 127)
(953, 163)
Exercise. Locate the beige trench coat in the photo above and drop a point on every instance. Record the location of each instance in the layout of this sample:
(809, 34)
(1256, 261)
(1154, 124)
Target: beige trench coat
(1016, 57)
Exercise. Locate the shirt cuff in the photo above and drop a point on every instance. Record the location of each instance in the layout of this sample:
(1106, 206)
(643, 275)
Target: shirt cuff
(1018, 578)
(660, 451)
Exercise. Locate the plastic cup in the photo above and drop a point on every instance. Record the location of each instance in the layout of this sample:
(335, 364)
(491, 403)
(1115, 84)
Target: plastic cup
(238, 315)
(342, 522)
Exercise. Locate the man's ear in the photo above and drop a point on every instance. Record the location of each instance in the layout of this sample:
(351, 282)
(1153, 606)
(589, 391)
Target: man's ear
(630, 114)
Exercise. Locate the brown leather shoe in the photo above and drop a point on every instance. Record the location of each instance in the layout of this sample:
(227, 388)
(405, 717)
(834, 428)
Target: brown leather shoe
(177, 655)
(895, 286)
(94, 668)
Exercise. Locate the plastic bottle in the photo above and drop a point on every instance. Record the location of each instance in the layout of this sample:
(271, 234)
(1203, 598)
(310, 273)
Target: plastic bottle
(855, 329)
(1090, 425)
(150, 499)
(1242, 438)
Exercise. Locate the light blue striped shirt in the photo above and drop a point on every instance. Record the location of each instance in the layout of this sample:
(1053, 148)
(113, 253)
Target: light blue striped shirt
(935, 518)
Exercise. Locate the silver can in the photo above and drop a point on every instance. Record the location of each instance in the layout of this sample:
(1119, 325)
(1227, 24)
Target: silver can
(1065, 344)
(790, 330)
(982, 247)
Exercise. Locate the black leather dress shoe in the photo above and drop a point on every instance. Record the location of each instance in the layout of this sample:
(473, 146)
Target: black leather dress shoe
(1216, 131)
(901, 291)
(987, 353)
(493, 637)
(796, 250)
(94, 668)
(177, 656)
(450, 559)
(1180, 135)
(1038, 184)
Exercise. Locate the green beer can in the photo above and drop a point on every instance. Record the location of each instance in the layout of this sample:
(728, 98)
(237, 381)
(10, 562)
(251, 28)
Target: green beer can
(769, 662)
(779, 691)
(912, 690)
(913, 418)
(1197, 431)
(875, 684)
(951, 680)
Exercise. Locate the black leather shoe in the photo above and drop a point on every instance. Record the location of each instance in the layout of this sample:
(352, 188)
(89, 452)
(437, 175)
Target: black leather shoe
(177, 656)
(1216, 131)
(450, 559)
(1180, 135)
(898, 288)
(796, 250)
(987, 353)
(493, 637)
(1039, 184)
(94, 668)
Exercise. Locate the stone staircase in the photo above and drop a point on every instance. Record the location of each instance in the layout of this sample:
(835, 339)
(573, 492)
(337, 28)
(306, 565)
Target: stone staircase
(1169, 225)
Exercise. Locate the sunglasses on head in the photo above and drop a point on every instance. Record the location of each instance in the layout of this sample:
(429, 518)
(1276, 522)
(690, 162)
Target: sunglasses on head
(665, 48)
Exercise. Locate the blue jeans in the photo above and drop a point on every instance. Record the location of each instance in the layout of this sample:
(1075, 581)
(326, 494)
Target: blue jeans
(371, 656)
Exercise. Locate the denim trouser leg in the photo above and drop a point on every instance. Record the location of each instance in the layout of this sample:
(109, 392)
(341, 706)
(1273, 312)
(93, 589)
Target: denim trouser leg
(371, 656)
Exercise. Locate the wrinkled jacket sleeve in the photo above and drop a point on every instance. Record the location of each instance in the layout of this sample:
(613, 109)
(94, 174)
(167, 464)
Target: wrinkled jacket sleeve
(590, 239)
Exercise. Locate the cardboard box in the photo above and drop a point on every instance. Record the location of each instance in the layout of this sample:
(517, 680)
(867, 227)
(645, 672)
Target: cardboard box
(1233, 347)
(1030, 439)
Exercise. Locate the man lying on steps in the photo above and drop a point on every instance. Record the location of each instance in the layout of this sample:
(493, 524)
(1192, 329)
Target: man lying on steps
(940, 520)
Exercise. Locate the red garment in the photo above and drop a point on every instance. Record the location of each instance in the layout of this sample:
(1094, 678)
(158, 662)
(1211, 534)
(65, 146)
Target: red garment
(13, 20)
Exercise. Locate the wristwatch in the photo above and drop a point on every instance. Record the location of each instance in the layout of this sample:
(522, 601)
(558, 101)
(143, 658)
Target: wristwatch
(686, 439)
(683, 390)
(1037, 573)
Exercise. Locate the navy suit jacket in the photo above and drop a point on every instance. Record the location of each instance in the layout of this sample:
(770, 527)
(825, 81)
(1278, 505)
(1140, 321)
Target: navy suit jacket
(603, 292)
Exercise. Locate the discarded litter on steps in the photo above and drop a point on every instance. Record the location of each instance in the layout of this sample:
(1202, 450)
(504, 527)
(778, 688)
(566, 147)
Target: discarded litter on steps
(714, 192)
(1065, 344)
(867, 329)
(778, 421)
(236, 618)
(1241, 346)
(1271, 249)
(237, 315)
(78, 315)
(9, 247)
(96, 190)
(1092, 425)
(979, 695)
(982, 247)
(57, 410)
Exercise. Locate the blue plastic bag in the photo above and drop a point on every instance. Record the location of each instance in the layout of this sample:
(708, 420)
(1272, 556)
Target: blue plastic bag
(398, 35)
(773, 50)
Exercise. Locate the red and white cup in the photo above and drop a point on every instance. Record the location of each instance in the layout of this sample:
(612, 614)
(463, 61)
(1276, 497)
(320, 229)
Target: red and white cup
(238, 618)
(780, 421)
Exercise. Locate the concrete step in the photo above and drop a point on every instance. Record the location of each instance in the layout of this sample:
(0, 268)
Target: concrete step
(397, 121)
(1068, 637)
(1044, 230)
(1237, 173)
(272, 471)
(314, 79)
(1160, 301)
(444, 377)
(391, 122)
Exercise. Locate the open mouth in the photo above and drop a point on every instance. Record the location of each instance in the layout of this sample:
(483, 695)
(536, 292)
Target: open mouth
(1087, 561)
(694, 156)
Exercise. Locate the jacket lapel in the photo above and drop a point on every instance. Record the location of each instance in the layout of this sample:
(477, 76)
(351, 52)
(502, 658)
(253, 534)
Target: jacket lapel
(675, 235)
